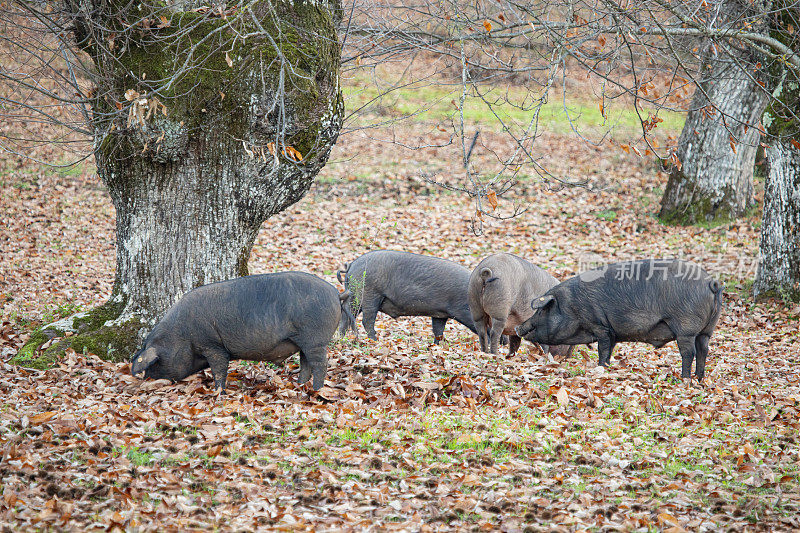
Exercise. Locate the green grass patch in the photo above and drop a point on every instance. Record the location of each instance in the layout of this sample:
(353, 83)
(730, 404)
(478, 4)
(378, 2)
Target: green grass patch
(607, 214)
(509, 108)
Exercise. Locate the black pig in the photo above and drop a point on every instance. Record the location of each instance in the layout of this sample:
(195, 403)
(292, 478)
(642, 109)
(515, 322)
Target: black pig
(266, 317)
(652, 300)
(406, 284)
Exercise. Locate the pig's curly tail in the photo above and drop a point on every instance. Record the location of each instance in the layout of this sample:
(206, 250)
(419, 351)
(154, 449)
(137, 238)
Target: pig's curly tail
(348, 321)
(486, 275)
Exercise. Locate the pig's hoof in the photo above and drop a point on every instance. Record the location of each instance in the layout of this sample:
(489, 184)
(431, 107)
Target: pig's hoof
(305, 375)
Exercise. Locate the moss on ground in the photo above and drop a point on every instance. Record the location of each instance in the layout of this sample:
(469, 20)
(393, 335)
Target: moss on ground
(88, 333)
(30, 355)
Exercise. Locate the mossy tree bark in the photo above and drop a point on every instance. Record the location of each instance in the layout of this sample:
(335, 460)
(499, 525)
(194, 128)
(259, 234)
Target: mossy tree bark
(206, 123)
(779, 250)
(717, 147)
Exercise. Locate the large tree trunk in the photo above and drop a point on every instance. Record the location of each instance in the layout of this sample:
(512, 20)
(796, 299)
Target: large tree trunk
(714, 180)
(779, 252)
(206, 124)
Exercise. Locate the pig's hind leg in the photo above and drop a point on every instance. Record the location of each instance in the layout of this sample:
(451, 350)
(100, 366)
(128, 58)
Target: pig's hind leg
(481, 324)
(313, 364)
(370, 307)
(686, 345)
(701, 348)
(498, 325)
(305, 369)
(438, 329)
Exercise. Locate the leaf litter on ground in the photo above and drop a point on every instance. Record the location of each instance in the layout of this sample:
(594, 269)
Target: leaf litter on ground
(405, 435)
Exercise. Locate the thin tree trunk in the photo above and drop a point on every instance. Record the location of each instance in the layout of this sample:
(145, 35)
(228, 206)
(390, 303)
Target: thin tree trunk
(717, 148)
(779, 251)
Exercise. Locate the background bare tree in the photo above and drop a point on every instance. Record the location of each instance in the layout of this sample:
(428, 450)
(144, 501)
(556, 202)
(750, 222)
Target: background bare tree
(718, 144)
(737, 58)
(203, 121)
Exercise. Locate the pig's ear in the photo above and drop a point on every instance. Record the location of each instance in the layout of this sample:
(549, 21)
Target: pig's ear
(143, 361)
(542, 302)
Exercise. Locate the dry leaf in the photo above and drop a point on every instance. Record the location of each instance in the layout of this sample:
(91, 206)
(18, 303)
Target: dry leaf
(42, 417)
(562, 397)
(491, 197)
(668, 519)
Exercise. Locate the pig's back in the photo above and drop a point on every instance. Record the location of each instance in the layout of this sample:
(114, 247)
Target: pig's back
(637, 295)
(256, 313)
(498, 294)
(518, 281)
(409, 277)
(537, 281)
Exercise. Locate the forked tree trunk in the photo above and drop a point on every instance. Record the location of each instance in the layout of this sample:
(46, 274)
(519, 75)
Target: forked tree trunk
(779, 252)
(715, 181)
(207, 123)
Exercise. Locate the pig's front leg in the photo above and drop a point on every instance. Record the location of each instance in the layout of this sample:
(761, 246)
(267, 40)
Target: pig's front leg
(218, 359)
(513, 344)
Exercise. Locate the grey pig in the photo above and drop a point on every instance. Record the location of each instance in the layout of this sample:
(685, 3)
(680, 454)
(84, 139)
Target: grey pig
(407, 284)
(265, 317)
(500, 292)
(652, 300)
